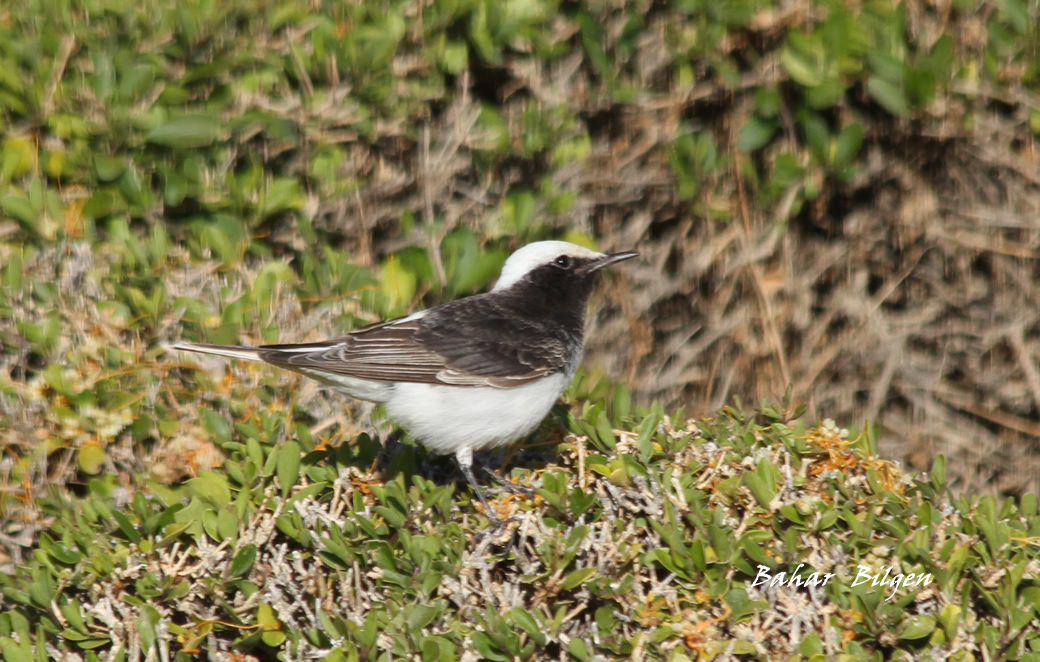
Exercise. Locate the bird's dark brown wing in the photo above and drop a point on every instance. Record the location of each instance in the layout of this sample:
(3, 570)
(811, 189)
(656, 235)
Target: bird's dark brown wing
(470, 342)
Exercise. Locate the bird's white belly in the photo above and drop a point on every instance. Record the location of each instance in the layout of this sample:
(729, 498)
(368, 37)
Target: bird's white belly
(362, 389)
(450, 419)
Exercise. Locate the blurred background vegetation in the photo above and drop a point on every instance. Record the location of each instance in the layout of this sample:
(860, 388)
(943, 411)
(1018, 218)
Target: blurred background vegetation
(842, 197)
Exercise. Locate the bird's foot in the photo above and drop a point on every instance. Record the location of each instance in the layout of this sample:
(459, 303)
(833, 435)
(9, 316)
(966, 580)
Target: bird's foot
(499, 529)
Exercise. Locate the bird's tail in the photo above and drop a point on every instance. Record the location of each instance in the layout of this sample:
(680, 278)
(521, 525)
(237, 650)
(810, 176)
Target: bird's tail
(234, 351)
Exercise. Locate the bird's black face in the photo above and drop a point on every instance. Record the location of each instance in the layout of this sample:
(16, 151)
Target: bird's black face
(559, 283)
(564, 273)
(555, 291)
(569, 278)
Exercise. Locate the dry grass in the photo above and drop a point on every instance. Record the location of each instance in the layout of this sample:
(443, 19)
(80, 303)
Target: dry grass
(911, 300)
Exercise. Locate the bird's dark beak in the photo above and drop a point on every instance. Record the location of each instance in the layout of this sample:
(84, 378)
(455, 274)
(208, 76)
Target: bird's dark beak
(606, 261)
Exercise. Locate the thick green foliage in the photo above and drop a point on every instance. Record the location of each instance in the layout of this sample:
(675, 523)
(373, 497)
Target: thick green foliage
(206, 168)
(645, 540)
(226, 116)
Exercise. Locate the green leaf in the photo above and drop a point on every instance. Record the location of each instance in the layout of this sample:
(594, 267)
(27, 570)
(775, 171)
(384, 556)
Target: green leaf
(243, 561)
(17, 156)
(419, 616)
(288, 468)
(126, 527)
(889, 96)
(1017, 14)
(577, 578)
(397, 285)
(578, 649)
(605, 431)
(939, 472)
(592, 39)
(109, 168)
(210, 486)
(756, 133)
(764, 493)
(436, 649)
(800, 68)
(14, 651)
(486, 648)
(455, 57)
(91, 459)
(226, 525)
(18, 206)
(918, 626)
(580, 501)
(62, 553)
(848, 145)
(529, 624)
(272, 627)
(187, 131)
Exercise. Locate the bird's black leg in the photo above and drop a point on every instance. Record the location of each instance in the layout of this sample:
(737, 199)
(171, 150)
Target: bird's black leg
(467, 471)
(465, 459)
(510, 485)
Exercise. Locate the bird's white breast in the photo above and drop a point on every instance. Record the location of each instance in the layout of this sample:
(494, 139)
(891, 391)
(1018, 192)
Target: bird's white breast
(449, 419)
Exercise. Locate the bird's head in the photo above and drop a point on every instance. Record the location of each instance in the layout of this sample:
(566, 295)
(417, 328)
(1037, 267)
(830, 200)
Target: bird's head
(557, 262)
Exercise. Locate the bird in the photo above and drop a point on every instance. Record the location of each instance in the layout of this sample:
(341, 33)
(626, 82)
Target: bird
(469, 375)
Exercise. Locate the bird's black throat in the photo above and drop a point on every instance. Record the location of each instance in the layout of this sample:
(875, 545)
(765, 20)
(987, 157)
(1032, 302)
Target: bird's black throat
(554, 294)
(537, 324)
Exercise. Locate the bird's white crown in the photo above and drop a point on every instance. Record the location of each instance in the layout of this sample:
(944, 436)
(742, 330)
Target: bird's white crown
(535, 255)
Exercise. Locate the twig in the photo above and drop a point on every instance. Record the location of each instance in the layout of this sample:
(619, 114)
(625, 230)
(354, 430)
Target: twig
(1016, 337)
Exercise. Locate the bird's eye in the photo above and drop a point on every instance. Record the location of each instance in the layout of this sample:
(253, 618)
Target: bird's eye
(564, 261)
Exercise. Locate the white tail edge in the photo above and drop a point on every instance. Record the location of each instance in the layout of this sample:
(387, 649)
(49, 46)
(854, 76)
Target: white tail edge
(233, 351)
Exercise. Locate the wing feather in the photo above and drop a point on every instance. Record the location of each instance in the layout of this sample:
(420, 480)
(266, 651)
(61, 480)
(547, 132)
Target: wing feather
(486, 346)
